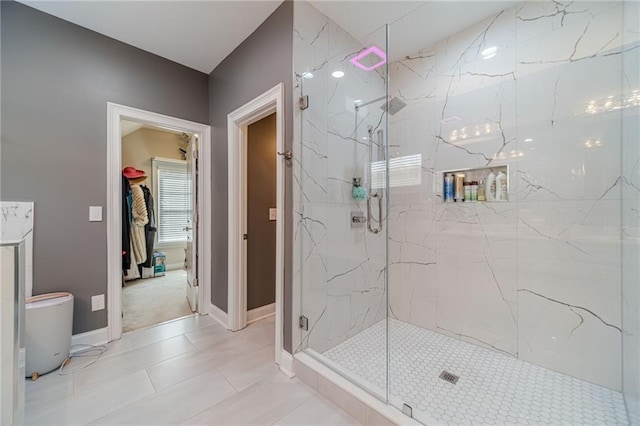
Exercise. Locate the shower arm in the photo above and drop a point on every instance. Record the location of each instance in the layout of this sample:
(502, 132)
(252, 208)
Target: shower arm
(377, 195)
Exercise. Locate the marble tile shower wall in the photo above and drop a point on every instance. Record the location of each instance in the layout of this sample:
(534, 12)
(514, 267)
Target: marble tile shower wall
(16, 224)
(631, 214)
(343, 268)
(537, 277)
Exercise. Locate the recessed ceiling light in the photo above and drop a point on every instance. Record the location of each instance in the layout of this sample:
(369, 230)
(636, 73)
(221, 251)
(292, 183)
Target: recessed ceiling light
(489, 52)
(357, 101)
(307, 75)
(528, 140)
(337, 74)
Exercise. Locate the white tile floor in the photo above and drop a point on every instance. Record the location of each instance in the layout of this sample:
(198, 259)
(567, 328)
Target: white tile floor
(493, 388)
(188, 371)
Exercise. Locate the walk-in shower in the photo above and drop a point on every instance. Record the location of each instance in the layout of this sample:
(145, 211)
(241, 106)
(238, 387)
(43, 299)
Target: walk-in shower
(474, 311)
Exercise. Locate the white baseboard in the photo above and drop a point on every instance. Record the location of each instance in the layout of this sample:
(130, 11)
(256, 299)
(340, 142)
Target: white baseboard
(219, 315)
(260, 313)
(90, 338)
(286, 363)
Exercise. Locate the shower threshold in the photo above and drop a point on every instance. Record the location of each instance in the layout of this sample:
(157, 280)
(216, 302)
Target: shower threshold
(493, 388)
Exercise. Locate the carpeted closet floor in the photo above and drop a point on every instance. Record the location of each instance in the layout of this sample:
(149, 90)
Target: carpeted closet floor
(154, 300)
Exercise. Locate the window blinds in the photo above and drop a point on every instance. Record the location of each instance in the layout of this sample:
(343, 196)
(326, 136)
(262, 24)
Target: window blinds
(174, 202)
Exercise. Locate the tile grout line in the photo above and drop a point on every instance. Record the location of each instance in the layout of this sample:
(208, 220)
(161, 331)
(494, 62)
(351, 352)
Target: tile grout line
(313, 395)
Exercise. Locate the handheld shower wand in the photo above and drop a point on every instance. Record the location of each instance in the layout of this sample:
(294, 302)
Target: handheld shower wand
(370, 220)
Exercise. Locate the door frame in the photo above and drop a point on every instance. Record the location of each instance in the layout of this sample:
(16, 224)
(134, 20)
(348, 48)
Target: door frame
(272, 101)
(116, 113)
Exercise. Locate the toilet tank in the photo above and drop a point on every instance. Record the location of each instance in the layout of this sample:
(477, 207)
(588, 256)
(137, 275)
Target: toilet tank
(48, 325)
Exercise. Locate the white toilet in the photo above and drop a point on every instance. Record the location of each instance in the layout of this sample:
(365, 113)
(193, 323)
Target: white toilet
(48, 325)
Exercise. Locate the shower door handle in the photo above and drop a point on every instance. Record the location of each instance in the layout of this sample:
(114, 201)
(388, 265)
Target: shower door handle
(370, 219)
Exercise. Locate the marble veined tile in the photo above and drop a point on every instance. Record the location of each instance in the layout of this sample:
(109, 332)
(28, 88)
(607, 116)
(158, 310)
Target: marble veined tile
(16, 224)
(557, 334)
(536, 18)
(311, 27)
(537, 277)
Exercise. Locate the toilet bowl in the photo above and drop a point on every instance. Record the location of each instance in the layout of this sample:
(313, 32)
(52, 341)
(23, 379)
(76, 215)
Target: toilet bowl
(48, 325)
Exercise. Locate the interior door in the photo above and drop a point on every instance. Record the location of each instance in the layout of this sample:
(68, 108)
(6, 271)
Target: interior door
(191, 258)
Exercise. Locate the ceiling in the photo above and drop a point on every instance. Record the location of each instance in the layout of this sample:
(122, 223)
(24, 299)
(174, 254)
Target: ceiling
(200, 34)
(128, 127)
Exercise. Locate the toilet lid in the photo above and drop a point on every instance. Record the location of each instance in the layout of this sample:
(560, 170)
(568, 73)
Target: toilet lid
(50, 299)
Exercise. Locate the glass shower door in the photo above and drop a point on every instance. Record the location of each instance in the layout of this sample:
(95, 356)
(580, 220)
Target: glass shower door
(341, 224)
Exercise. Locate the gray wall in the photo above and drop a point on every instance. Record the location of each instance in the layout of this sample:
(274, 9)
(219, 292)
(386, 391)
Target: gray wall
(56, 81)
(261, 196)
(263, 60)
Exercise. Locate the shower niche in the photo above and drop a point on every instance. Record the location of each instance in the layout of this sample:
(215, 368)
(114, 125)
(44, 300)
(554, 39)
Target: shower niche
(480, 184)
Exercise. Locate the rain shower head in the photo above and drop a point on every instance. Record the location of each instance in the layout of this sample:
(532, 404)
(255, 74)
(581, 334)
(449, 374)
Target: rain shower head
(393, 105)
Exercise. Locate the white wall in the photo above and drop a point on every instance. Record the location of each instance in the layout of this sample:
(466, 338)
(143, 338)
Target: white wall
(138, 148)
(631, 216)
(537, 277)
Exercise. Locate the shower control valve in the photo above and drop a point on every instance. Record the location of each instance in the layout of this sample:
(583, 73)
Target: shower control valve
(357, 219)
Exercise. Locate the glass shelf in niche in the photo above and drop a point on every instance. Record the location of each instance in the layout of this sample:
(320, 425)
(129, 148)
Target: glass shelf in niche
(480, 184)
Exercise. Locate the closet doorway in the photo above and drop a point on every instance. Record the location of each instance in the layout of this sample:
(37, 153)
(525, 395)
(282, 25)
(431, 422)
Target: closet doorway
(156, 206)
(158, 200)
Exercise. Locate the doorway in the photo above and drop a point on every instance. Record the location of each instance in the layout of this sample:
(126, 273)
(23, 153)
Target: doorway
(158, 269)
(261, 218)
(181, 246)
(238, 123)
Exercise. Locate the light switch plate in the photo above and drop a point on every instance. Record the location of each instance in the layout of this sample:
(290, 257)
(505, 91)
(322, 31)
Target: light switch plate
(273, 214)
(95, 213)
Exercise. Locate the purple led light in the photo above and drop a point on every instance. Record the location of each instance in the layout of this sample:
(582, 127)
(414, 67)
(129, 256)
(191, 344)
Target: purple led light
(379, 53)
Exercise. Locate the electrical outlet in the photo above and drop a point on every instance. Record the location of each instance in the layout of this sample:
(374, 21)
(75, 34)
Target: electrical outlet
(97, 302)
(95, 213)
(273, 214)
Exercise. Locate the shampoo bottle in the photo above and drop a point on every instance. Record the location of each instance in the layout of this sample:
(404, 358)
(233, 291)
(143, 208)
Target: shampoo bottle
(490, 187)
(448, 188)
(501, 187)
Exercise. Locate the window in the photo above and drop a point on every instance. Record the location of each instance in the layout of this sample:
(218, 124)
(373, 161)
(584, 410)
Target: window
(173, 189)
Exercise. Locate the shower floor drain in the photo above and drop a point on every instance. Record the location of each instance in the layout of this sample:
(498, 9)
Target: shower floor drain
(449, 377)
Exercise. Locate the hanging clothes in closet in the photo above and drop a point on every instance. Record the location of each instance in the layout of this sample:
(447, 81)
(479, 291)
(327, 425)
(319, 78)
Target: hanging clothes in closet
(150, 228)
(126, 224)
(138, 220)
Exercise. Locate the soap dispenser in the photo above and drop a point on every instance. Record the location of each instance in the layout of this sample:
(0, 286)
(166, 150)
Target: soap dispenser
(490, 187)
